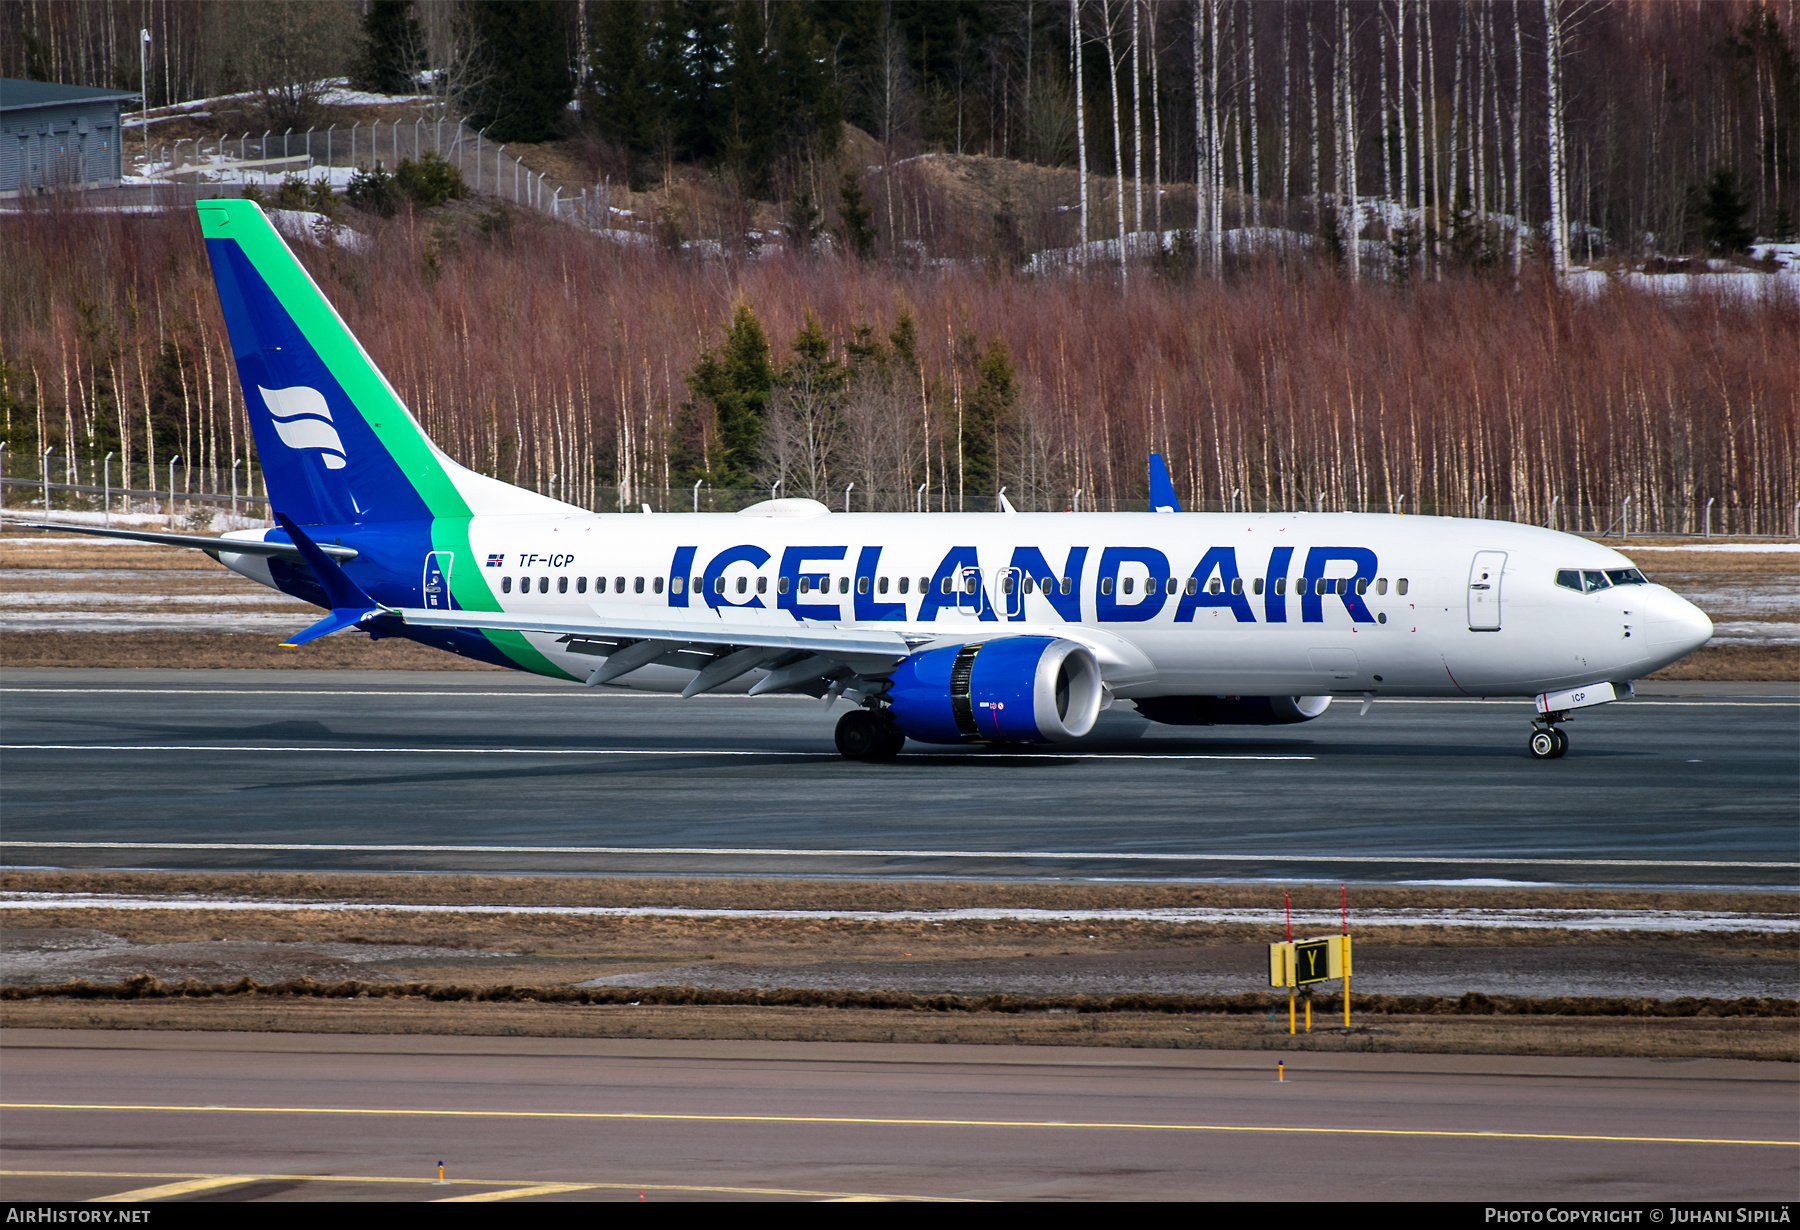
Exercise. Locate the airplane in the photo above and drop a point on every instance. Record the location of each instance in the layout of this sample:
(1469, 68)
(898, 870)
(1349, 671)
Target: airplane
(998, 628)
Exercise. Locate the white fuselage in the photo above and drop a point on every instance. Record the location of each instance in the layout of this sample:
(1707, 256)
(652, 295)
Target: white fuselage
(1447, 607)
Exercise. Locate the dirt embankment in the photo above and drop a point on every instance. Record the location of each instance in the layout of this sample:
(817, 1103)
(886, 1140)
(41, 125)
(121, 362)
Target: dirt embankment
(476, 966)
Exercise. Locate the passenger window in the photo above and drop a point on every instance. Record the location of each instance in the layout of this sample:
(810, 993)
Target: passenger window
(618, 585)
(675, 584)
(1126, 588)
(1047, 586)
(762, 585)
(1256, 586)
(506, 585)
(925, 585)
(1193, 586)
(1362, 585)
(1213, 586)
(843, 585)
(543, 585)
(743, 584)
(1106, 585)
(781, 585)
(1169, 586)
(718, 585)
(806, 585)
(698, 582)
(657, 585)
(581, 585)
(904, 581)
(862, 585)
(1343, 586)
(1381, 585)
(1400, 587)
(1319, 584)
(1280, 586)
(562, 585)
(946, 585)
(881, 587)
(637, 586)
(1067, 585)
(970, 583)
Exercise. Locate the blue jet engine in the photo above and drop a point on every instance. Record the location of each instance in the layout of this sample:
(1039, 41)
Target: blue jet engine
(1016, 689)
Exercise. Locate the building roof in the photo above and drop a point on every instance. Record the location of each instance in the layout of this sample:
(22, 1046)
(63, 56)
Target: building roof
(17, 94)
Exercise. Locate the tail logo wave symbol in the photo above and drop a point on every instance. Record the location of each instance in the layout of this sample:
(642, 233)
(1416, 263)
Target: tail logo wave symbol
(303, 421)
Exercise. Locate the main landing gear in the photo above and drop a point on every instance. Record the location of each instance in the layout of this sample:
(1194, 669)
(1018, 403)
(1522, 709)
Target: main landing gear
(869, 734)
(1547, 742)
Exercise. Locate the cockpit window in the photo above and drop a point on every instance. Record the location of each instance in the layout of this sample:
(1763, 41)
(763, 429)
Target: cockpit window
(1593, 580)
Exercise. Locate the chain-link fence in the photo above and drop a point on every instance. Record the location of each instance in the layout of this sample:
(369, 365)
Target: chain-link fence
(34, 482)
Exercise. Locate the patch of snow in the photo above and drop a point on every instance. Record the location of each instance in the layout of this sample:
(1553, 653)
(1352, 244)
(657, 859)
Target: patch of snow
(1740, 283)
(1785, 255)
(1539, 919)
(317, 229)
(1774, 548)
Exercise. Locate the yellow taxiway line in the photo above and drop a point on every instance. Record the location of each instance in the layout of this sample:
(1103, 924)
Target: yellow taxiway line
(509, 1189)
(869, 1121)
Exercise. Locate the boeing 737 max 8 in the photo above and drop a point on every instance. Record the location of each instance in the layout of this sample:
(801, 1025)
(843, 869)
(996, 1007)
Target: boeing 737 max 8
(939, 627)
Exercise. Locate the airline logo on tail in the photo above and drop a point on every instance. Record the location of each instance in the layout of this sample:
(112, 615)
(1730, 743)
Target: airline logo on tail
(303, 421)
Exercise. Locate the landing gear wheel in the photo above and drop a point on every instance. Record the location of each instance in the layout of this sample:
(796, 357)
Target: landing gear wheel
(860, 735)
(1562, 743)
(892, 739)
(1545, 743)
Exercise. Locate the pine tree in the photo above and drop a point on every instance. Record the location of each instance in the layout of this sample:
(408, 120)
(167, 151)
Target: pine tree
(986, 415)
(389, 59)
(526, 80)
(737, 378)
(859, 236)
(1722, 209)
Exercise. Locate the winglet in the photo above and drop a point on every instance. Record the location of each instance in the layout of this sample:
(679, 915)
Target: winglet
(349, 605)
(1162, 491)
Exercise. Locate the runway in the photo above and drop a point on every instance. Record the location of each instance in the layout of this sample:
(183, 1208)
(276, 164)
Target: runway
(299, 1117)
(412, 771)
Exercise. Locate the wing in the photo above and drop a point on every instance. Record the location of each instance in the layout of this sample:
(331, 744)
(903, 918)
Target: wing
(805, 657)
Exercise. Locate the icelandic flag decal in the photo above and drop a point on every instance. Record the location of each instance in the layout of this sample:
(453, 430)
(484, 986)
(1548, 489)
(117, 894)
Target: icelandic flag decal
(495, 561)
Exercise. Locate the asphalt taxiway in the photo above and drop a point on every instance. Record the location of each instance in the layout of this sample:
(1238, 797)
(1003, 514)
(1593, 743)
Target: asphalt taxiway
(299, 1117)
(293, 770)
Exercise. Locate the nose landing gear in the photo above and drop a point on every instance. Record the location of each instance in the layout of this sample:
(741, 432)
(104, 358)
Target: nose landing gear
(869, 734)
(1547, 742)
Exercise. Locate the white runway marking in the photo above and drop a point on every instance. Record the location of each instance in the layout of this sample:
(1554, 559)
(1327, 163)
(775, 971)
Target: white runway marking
(572, 751)
(779, 852)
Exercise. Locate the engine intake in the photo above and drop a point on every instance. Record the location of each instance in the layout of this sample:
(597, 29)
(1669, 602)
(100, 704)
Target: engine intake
(1231, 710)
(1016, 689)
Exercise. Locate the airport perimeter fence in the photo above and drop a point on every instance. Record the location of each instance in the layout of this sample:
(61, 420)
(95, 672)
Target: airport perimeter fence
(194, 496)
(192, 169)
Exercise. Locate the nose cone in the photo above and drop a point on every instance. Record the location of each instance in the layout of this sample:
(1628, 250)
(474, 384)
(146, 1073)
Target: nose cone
(1677, 626)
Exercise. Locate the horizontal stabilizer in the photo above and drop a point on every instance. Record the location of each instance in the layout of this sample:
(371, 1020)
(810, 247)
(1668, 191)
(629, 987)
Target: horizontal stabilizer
(200, 542)
(337, 621)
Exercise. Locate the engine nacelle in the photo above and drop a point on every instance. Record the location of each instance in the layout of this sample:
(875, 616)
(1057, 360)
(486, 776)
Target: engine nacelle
(1015, 689)
(1231, 710)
